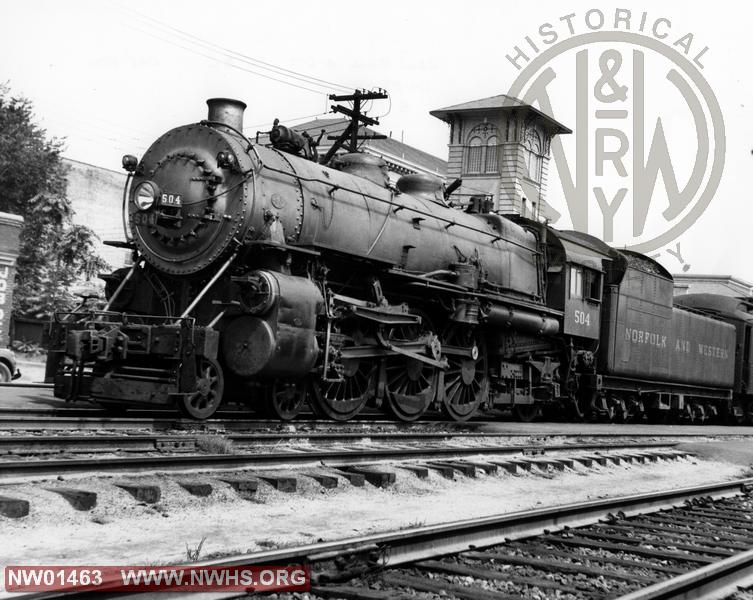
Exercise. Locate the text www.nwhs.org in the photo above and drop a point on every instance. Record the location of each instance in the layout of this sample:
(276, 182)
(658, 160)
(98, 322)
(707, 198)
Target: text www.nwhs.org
(155, 579)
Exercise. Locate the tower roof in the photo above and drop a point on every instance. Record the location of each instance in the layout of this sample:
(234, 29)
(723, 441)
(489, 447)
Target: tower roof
(500, 102)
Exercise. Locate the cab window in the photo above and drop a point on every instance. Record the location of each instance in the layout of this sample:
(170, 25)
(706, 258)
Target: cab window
(585, 283)
(576, 282)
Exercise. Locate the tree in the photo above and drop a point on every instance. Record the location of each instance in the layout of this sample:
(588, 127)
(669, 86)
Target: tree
(54, 251)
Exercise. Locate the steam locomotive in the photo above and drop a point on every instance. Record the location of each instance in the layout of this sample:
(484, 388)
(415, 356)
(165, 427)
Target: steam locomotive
(265, 276)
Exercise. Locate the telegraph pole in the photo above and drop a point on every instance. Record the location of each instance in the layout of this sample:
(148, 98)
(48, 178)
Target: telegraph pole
(357, 118)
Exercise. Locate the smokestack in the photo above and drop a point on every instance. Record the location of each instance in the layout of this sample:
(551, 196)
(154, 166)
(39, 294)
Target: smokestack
(226, 111)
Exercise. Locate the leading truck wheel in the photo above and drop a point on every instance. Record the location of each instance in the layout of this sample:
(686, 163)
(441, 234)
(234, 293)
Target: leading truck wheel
(284, 400)
(204, 401)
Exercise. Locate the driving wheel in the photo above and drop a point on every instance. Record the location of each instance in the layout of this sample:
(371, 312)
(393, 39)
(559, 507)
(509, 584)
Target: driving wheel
(465, 379)
(343, 400)
(410, 385)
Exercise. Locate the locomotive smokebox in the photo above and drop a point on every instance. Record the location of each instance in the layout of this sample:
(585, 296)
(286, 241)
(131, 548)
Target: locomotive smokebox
(226, 111)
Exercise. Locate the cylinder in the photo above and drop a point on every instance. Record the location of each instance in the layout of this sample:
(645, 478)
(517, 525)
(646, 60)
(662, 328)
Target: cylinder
(226, 111)
(280, 340)
(520, 320)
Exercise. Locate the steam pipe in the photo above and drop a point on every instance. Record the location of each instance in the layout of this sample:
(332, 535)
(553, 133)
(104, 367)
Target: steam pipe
(208, 286)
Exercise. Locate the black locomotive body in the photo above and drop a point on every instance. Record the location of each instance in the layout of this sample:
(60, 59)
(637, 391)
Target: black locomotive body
(263, 277)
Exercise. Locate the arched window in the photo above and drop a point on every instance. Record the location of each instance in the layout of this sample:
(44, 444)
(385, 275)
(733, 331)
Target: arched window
(533, 154)
(474, 156)
(481, 150)
(491, 165)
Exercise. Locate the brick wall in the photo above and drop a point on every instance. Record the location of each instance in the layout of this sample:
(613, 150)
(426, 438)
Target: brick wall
(10, 227)
(96, 195)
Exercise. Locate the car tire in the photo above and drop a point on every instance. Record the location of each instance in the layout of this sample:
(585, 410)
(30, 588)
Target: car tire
(5, 374)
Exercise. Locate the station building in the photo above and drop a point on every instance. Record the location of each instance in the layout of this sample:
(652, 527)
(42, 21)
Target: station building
(500, 147)
(726, 285)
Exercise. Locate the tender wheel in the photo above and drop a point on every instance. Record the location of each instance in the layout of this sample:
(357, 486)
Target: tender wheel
(636, 410)
(658, 416)
(204, 401)
(5, 374)
(465, 380)
(410, 386)
(284, 400)
(526, 412)
(343, 400)
(733, 414)
(696, 413)
(617, 411)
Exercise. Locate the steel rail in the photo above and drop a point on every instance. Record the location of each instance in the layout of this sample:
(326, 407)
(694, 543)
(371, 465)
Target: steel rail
(393, 549)
(13, 384)
(57, 421)
(25, 469)
(81, 419)
(717, 580)
(431, 541)
(34, 444)
(356, 428)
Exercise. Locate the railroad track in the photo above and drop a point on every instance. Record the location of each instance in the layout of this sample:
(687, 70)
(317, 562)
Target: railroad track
(28, 445)
(677, 544)
(96, 419)
(80, 419)
(466, 459)
(689, 543)
(65, 422)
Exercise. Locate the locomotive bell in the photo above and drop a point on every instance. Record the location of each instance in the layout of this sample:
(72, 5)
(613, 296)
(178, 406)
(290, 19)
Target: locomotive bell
(226, 111)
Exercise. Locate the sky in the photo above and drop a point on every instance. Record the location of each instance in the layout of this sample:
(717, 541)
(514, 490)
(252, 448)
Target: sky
(110, 77)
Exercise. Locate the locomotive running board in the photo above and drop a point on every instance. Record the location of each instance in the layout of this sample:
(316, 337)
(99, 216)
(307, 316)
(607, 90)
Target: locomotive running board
(377, 314)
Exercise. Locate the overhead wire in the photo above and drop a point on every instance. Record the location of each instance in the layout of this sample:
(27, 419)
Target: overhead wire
(217, 59)
(283, 121)
(184, 36)
(239, 55)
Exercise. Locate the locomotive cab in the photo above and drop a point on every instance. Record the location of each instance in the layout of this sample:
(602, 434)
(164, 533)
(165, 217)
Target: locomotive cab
(575, 275)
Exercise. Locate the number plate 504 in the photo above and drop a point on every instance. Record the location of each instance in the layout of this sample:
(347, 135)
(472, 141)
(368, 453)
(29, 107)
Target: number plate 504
(171, 200)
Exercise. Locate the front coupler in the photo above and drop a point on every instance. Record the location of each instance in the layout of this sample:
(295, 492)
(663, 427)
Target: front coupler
(126, 359)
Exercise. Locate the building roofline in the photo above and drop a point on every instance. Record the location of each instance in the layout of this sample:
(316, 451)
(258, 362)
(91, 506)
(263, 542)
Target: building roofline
(702, 277)
(101, 168)
(11, 219)
(509, 103)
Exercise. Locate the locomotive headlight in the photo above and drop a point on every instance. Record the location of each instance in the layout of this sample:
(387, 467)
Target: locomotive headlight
(145, 195)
